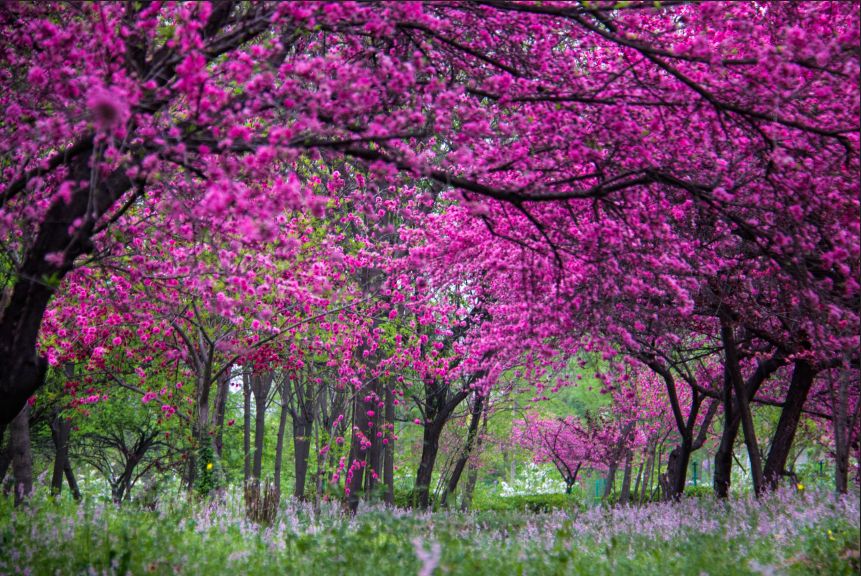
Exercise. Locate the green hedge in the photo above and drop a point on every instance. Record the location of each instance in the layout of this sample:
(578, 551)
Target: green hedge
(531, 503)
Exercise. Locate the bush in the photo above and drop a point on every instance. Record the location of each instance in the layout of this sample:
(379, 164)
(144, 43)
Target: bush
(532, 503)
(699, 491)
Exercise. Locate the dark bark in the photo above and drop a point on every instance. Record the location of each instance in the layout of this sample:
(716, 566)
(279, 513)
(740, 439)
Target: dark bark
(625, 495)
(639, 479)
(790, 415)
(246, 427)
(221, 392)
(647, 478)
(22, 368)
(677, 465)
(375, 452)
(472, 476)
(389, 466)
(299, 401)
(843, 424)
(680, 457)
(673, 480)
(724, 454)
(260, 385)
(438, 407)
(70, 479)
(731, 358)
(610, 479)
(460, 465)
(430, 448)
(121, 486)
(279, 440)
(5, 452)
(60, 430)
(22, 455)
(358, 454)
(302, 430)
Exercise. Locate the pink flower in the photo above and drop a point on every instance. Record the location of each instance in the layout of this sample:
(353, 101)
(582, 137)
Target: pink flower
(109, 107)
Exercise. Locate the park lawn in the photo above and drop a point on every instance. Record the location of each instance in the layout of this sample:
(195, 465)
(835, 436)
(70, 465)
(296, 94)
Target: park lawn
(785, 534)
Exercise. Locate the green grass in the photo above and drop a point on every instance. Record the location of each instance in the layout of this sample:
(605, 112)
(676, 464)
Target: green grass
(806, 534)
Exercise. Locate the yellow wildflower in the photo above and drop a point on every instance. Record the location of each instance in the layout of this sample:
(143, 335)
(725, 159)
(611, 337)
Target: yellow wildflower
(209, 466)
(800, 486)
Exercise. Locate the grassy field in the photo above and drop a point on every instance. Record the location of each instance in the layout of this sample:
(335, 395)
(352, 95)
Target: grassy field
(785, 534)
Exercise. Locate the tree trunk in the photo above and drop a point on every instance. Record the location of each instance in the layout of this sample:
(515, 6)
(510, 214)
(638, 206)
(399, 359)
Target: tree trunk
(647, 478)
(246, 427)
(279, 441)
(472, 432)
(358, 454)
(221, 392)
(842, 430)
(66, 229)
(60, 430)
(22, 455)
(723, 456)
(389, 467)
(611, 479)
(301, 450)
(5, 458)
(677, 470)
(375, 453)
(472, 476)
(70, 479)
(260, 385)
(424, 475)
(626, 479)
(841, 468)
(790, 415)
(639, 478)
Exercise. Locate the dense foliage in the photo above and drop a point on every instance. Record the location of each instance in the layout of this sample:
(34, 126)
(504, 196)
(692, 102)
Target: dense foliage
(478, 254)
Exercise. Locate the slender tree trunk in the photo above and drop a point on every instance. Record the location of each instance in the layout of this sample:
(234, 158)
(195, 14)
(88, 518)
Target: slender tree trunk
(639, 478)
(430, 449)
(775, 464)
(260, 388)
(246, 426)
(389, 467)
(611, 479)
(472, 432)
(723, 456)
(70, 479)
(22, 455)
(279, 441)
(658, 465)
(743, 405)
(302, 430)
(472, 476)
(375, 453)
(60, 430)
(841, 435)
(5, 459)
(626, 479)
(358, 454)
(221, 392)
(677, 469)
(647, 478)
